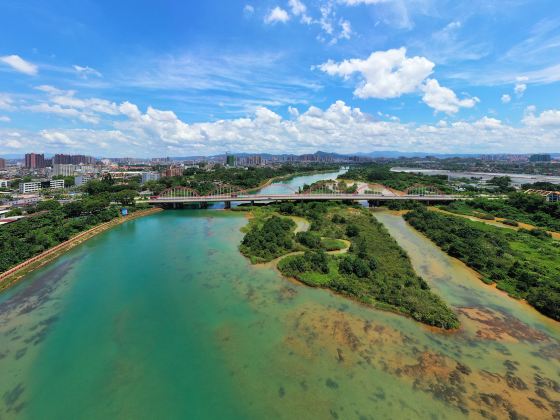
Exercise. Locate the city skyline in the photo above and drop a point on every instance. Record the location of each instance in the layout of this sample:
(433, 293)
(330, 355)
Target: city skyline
(364, 75)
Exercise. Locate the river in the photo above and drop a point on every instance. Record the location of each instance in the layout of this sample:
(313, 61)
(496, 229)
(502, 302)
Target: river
(161, 317)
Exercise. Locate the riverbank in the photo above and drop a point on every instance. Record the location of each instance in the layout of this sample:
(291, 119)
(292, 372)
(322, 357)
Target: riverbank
(525, 265)
(15, 274)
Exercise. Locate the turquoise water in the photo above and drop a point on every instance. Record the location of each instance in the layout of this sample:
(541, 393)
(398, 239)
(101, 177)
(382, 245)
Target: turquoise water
(161, 317)
(292, 185)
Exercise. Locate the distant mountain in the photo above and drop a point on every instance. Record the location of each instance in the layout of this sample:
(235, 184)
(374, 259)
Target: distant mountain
(396, 154)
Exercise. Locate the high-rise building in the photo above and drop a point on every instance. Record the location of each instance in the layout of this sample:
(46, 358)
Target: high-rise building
(2, 163)
(255, 160)
(540, 158)
(230, 160)
(64, 169)
(34, 160)
(73, 159)
(173, 171)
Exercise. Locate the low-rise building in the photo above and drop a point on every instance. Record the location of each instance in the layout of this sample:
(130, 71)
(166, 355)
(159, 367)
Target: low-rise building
(550, 196)
(4, 183)
(149, 176)
(80, 180)
(56, 184)
(29, 187)
(25, 200)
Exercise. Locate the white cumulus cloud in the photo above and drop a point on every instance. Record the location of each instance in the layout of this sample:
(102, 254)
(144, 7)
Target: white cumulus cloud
(19, 64)
(384, 74)
(520, 86)
(298, 8)
(277, 15)
(444, 99)
(546, 119)
(506, 99)
(339, 127)
(248, 10)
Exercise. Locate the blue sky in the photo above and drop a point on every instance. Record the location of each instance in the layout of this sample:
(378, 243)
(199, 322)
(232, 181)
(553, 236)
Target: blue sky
(181, 78)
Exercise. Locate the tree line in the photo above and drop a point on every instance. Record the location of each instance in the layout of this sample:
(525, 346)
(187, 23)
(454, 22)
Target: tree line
(526, 264)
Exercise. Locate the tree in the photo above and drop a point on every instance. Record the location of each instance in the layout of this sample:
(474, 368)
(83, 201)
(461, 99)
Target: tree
(352, 230)
(125, 197)
(309, 239)
(48, 205)
(16, 211)
(502, 182)
(73, 208)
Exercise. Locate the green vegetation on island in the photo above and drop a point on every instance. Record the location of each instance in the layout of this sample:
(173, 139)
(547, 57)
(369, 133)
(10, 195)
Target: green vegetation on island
(381, 174)
(268, 240)
(375, 270)
(525, 264)
(519, 207)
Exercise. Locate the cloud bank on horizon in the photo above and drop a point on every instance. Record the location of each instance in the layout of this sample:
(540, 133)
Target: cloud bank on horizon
(288, 76)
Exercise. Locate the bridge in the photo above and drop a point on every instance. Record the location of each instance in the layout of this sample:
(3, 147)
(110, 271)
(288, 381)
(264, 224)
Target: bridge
(324, 191)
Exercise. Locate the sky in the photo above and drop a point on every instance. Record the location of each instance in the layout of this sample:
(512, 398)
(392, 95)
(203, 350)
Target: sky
(182, 78)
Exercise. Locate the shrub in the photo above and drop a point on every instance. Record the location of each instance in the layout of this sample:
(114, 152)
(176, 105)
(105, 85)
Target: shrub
(352, 230)
(510, 222)
(309, 239)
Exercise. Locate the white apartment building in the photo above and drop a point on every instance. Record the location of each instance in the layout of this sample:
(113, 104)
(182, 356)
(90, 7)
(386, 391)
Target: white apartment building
(56, 184)
(150, 176)
(64, 169)
(80, 180)
(29, 187)
(4, 183)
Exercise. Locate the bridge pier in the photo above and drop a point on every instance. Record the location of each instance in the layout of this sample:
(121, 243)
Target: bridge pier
(227, 205)
(252, 203)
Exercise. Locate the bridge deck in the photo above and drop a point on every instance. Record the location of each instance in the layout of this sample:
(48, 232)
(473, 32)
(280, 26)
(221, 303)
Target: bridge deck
(301, 197)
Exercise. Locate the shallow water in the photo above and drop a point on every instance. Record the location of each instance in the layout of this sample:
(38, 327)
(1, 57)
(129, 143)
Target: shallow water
(161, 317)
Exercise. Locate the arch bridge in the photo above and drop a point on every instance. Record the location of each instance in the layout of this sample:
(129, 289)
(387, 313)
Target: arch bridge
(322, 191)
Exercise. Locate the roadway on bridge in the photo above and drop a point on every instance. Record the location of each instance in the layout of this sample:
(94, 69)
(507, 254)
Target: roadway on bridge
(302, 197)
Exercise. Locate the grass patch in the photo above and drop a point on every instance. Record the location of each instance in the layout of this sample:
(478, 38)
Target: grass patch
(330, 244)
